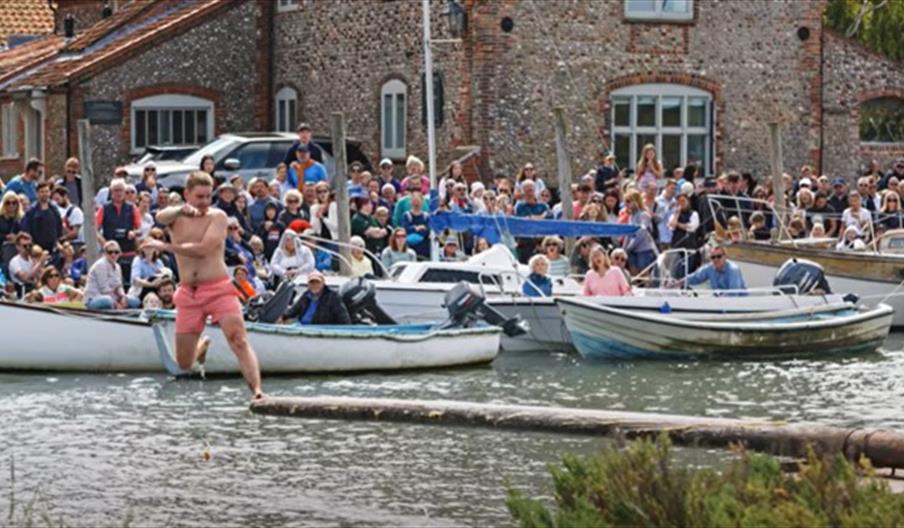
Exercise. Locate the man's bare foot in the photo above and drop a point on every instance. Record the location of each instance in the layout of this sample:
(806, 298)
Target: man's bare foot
(257, 395)
(201, 354)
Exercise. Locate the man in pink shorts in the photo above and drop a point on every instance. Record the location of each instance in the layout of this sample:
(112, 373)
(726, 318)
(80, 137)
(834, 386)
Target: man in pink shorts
(198, 238)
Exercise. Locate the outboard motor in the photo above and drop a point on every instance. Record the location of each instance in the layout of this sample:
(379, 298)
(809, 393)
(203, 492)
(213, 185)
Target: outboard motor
(808, 276)
(467, 306)
(360, 298)
(269, 307)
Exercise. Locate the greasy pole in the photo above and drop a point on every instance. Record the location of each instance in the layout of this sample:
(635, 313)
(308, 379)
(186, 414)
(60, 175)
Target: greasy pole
(884, 448)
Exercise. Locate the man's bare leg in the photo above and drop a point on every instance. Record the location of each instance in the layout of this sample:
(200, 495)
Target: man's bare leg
(191, 348)
(234, 329)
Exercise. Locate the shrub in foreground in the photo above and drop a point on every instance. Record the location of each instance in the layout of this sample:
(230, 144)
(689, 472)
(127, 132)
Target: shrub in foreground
(641, 486)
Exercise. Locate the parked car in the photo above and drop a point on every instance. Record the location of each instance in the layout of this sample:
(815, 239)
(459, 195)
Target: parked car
(251, 154)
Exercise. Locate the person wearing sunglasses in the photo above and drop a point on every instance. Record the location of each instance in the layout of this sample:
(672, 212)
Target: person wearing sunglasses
(104, 290)
(54, 291)
(72, 180)
(721, 273)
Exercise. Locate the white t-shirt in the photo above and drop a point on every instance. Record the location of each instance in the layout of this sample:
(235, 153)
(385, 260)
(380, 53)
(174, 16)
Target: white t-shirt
(17, 265)
(859, 220)
(75, 218)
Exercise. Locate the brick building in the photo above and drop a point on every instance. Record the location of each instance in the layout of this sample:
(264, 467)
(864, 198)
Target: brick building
(699, 78)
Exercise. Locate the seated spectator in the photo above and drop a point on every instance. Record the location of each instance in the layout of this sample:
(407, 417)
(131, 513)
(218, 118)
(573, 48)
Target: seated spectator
(271, 229)
(398, 250)
(72, 266)
(735, 229)
(538, 283)
(10, 217)
(147, 271)
(261, 260)
(237, 251)
(366, 226)
(758, 229)
(451, 252)
(54, 291)
(325, 213)
(151, 302)
(603, 278)
(291, 258)
(580, 257)
(166, 290)
(25, 268)
(104, 290)
(553, 248)
(818, 231)
(855, 215)
(850, 240)
(416, 224)
(262, 200)
(361, 266)
(481, 245)
(243, 286)
(318, 305)
(619, 259)
(416, 180)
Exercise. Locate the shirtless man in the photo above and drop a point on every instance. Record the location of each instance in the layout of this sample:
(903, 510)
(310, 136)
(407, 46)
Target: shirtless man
(198, 239)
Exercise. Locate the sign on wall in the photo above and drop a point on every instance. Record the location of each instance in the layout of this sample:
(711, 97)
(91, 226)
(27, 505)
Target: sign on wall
(104, 112)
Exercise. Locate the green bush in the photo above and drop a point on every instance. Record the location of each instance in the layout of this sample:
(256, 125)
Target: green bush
(641, 487)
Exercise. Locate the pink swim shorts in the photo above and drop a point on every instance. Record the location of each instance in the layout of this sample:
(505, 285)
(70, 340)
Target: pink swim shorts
(216, 298)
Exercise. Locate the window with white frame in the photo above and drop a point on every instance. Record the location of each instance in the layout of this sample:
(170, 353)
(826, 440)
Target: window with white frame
(287, 5)
(9, 130)
(676, 119)
(393, 98)
(659, 9)
(286, 104)
(171, 119)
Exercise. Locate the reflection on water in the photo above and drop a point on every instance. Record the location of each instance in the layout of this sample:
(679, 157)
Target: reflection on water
(99, 447)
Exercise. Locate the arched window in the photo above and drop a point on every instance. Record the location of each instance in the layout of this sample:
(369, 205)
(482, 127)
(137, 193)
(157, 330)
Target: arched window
(882, 120)
(171, 119)
(677, 119)
(286, 104)
(393, 97)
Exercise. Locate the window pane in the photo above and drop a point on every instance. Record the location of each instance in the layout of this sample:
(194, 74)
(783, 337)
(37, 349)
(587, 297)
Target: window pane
(178, 128)
(671, 150)
(882, 120)
(387, 121)
(644, 140)
(140, 128)
(190, 118)
(166, 127)
(646, 111)
(152, 127)
(622, 145)
(622, 107)
(671, 112)
(291, 117)
(696, 151)
(696, 111)
(281, 115)
(201, 121)
(676, 6)
(400, 121)
(640, 6)
(254, 155)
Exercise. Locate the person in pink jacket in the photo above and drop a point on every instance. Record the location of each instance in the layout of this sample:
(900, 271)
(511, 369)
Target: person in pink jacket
(603, 278)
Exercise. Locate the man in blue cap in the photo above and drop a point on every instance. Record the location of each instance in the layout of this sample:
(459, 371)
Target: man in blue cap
(304, 138)
(839, 198)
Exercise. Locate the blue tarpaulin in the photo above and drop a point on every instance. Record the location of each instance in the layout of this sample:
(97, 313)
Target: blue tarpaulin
(491, 227)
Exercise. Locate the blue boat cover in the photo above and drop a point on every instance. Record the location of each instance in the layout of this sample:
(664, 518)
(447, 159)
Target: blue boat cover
(492, 227)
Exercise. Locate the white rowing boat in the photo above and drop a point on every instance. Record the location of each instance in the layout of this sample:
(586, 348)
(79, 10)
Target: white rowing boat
(41, 338)
(603, 332)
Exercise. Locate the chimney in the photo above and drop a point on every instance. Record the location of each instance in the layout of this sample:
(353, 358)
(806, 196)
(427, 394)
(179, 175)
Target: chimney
(69, 26)
(108, 10)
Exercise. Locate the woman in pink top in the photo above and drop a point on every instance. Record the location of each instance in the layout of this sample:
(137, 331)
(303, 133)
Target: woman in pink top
(603, 278)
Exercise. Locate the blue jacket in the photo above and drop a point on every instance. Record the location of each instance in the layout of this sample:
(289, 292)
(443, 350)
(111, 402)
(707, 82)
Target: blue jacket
(314, 174)
(20, 186)
(537, 286)
(730, 278)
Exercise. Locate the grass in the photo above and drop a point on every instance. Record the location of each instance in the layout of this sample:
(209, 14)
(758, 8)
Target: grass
(640, 486)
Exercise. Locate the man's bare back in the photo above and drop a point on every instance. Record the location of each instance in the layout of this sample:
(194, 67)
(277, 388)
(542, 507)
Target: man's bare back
(194, 270)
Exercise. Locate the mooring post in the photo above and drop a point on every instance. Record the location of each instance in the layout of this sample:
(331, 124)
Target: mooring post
(337, 127)
(92, 252)
(564, 172)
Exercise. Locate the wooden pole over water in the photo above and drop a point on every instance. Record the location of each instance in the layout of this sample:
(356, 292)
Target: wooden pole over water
(564, 172)
(884, 448)
(92, 252)
(340, 182)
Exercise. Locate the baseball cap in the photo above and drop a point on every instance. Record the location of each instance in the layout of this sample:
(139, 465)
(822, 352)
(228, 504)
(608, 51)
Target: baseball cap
(806, 182)
(316, 275)
(385, 161)
(226, 187)
(302, 126)
(838, 181)
(687, 188)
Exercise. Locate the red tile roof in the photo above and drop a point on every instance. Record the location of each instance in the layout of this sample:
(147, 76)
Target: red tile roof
(30, 53)
(132, 29)
(24, 17)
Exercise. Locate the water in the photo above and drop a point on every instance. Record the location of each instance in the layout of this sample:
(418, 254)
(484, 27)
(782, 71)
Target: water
(101, 449)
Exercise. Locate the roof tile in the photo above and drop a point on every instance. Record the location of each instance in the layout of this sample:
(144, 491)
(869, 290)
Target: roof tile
(24, 17)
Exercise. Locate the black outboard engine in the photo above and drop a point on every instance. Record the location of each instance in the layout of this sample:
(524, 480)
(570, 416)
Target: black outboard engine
(360, 298)
(269, 307)
(808, 276)
(467, 306)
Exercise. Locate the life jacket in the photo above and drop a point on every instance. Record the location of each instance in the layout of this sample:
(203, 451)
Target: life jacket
(118, 224)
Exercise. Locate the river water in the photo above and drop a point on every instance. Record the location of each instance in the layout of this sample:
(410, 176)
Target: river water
(100, 450)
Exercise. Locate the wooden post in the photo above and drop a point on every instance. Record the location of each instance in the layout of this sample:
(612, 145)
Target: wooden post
(92, 251)
(564, 172)
(337, 128)
(778, 190)
(884, 448)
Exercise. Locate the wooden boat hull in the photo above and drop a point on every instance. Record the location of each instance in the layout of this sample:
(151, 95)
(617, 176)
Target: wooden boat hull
(38, 338)
(601, 332)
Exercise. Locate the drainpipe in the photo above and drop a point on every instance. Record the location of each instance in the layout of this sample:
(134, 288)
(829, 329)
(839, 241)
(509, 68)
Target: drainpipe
(822, 94)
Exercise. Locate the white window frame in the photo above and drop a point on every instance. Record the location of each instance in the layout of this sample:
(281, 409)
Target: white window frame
(283, 6)
(658, 13)
(286, 107)
(391, 149)
(170, 102)
(10, 131)
(658, 130)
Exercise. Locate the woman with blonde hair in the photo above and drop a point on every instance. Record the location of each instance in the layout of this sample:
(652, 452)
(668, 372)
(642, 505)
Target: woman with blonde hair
(529, 172)
(889, 216)
(538, 283)
(648, 169)
(11, 214)
(553, 250)
(415, 180)
(603, 278)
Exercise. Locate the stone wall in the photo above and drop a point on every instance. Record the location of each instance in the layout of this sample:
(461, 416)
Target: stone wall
(854, 74)
(501, 87)
(217, 60)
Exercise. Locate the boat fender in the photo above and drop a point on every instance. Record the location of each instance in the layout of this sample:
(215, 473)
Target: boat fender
(666, 308)
(851, 298)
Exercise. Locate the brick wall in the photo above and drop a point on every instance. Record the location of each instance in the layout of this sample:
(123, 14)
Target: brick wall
(218, 60)
(852, 75)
